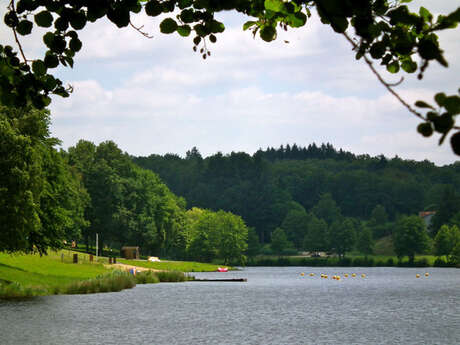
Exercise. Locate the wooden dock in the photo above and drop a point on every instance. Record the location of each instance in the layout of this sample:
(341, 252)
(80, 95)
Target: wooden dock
(240, 280)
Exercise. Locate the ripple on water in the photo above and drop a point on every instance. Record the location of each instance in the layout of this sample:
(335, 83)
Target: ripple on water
(276, 306)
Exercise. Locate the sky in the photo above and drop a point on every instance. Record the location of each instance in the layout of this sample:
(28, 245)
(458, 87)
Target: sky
(156, 96)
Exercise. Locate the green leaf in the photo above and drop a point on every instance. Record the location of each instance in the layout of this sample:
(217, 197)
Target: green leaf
(425, 129)
(248, 24)
(274, 5)
(61, 24)
(425, 14)
(452, 105)
(268, 33)
(78, 20)
(409, 66)
(187, 16)
(377, 50)
(217, 27)
(185, 3)
(455, 143)
(422, 104)
(428, 49)
(75, 44)
(168, 26)
(38, 67)
(44, 19)
(51, 61)
(440, 98)
(454, 16)
(339, 24)
(443, 123)
(393, 67)
(50, 82)
(48, 39)
(184, 30)
(24, 27)
(297, 19)
(119, 16)
(153, 8)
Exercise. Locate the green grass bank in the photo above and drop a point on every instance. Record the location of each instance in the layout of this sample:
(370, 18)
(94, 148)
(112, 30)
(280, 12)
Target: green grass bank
(23, 276)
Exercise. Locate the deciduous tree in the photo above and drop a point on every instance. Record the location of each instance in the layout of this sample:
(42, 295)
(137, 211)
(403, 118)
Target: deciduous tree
(410, 237)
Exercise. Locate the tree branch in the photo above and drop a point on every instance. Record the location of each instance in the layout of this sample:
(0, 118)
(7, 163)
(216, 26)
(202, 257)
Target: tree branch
(387, 85)
(139, 29)
(13, 8)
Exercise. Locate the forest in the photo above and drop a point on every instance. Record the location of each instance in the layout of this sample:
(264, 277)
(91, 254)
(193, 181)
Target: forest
(318, 197)
(223, 207)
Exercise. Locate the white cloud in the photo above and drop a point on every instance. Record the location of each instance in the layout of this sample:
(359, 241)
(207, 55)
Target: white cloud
(157, 96)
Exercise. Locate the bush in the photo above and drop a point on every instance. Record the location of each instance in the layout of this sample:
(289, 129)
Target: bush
(171, 276)
(146, 277)
(17, 291)
(423, 262)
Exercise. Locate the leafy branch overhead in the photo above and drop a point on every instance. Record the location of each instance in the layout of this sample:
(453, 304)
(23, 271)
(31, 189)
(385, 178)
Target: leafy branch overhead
(383, 31)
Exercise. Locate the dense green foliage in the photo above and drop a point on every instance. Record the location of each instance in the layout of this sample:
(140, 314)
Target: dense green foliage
(129, 205)
(215, 235)
(322, 198)
(447, 242)
(41, 198)
(384, 31)
(410, 237)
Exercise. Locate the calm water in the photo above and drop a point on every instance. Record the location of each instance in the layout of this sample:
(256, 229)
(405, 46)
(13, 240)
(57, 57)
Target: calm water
(275, 306)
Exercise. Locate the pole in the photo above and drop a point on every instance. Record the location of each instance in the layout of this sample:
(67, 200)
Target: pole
(97, 245)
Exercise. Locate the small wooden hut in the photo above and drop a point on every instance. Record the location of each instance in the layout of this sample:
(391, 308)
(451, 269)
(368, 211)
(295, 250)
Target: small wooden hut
(130, 252)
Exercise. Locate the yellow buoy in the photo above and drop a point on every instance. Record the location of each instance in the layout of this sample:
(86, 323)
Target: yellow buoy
(337, 277)
(346, 275)
(325, 276)
(417, 275)
(353, 275)
(427, 274)
(302, 274)
(363, 275)
(312, 274)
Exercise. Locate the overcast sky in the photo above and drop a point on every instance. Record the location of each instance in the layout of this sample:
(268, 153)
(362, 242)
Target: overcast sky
(158, 96)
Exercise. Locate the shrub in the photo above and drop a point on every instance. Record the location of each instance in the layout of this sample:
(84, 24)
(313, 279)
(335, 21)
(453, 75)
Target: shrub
(171, 276)
(114, 281)
(423, 262)
(17, 291)
(147, 277)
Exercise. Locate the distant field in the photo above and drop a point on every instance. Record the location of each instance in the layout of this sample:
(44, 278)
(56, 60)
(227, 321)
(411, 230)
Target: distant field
(182, 266)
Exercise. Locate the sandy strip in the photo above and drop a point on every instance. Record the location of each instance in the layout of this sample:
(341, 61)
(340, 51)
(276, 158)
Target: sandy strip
(128, 267)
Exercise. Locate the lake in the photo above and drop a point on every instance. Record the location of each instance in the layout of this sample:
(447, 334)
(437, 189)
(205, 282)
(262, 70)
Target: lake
(275, 306)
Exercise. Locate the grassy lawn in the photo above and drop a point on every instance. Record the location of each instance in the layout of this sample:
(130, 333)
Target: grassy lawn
(47, 271)
(182, 266)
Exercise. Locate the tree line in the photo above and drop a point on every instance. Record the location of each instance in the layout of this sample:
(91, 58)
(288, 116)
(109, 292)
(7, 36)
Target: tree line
(316, 198)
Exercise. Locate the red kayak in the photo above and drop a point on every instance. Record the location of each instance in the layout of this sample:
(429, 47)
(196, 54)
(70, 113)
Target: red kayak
(222, 269)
